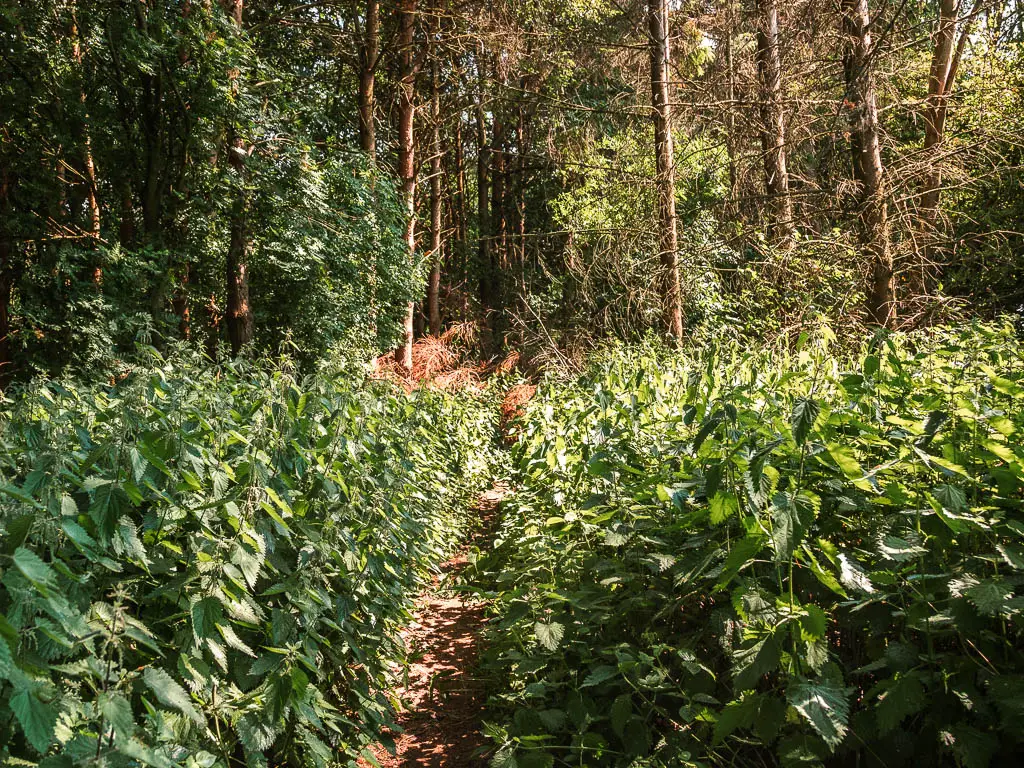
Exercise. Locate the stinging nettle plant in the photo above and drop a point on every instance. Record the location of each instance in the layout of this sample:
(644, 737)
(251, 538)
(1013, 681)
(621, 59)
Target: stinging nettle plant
(208, 566)
(784, 556)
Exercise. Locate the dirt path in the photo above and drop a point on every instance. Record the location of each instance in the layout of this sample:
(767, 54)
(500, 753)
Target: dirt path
(444, 698)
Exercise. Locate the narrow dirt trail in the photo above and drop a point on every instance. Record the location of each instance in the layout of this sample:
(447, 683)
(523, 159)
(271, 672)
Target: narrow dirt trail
(444, 697)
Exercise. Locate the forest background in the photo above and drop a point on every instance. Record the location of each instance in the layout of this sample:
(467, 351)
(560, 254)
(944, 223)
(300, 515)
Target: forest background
(349, 175)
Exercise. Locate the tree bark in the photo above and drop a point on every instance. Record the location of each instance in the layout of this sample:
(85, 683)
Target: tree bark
(461, 225)
(368, 56)
(407, 157)
(773, 124)
(6, 277)
(865, 146)
(88, 164)
(946, 57)
(672, 310)
(461, 216)
(499, 222)
(520, 199)
(239, 317)
(487, 297)
(436, 201)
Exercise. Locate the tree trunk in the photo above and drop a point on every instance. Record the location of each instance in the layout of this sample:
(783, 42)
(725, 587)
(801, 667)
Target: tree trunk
(672, 310)
(181, 306)
(487, 298)
(520, 200)
(239, 311)
(407, 157)
(461, 226)
(88, 164)
(212, 329)
(730, 116)
(499, 224)
(461, 216)
(773, 124)
(865, 145)
(941, 78)
(368, 79)
(6, 278)
(434, 282)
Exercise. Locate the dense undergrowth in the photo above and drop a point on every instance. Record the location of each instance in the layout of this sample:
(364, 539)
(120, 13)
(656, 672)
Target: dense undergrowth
(208, 566)
(782, 557)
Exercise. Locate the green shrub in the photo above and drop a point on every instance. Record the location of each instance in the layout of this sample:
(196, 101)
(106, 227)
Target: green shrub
(774, 557)
(208, 566)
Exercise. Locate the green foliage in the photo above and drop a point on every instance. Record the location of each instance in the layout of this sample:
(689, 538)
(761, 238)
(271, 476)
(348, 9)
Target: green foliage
(798, 553)
(153, 98)
(209, 566)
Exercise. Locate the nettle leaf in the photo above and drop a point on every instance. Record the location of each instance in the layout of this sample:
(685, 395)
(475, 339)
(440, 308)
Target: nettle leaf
(36, 717)
(824, 705)
(852, 575)
(1013, 554)
(723, 505)
(255, 734)
(760, 480)
(599, 675)
(813, 623)
(233, 640)
(905, 697)
(898, 549)
(737, 715)
(805, 414)
(7, 665)
(171, 694)
(741, 555)
(622, 711)
(553, 719)
(790, 520)
(206, 614)
(549, 635)
(950, 504)
(128, 544)
(615, 539)
(38, 573)
(118, 713)
(109, 503)
(990, 596)
(845, 459)
(754, 660)
(771, 716)
(135, 749)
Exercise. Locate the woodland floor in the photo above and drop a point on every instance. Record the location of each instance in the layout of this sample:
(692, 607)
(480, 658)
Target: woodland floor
(444, 697)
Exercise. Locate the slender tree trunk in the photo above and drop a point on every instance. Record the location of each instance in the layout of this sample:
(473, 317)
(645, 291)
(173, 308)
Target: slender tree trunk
(213, 318)
(461, 225)
(181, 304)
(407, 156)
(946, 57)
(6, 277)
(239, 311)
(730, 118)
(487, 297)
(436, 201)
(499, 224)
(865, 145)
(773, 124)
(461, 216)
(672, 311)
(368, 79)
(520, 198)
(88, 164)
